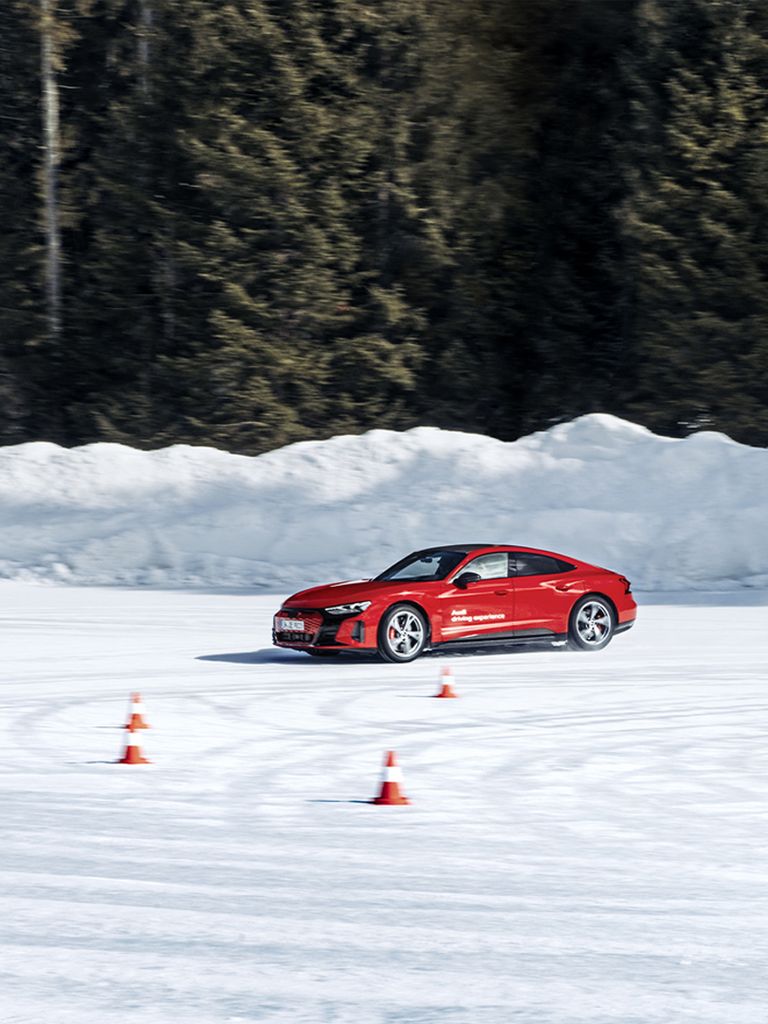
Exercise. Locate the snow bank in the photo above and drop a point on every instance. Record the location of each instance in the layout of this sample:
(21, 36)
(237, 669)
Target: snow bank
(669, 513)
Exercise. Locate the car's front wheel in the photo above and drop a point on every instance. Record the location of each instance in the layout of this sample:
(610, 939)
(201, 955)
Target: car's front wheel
(402, 633)
(592, 624)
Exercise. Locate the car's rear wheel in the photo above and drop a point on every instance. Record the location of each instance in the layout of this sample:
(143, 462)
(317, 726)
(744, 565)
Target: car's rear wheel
(402, 633)
(592, 624)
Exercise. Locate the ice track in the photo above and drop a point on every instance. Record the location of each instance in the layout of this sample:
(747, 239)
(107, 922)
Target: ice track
(587, 840)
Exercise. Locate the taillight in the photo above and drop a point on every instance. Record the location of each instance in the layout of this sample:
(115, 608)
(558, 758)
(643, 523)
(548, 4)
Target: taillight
(627, 584)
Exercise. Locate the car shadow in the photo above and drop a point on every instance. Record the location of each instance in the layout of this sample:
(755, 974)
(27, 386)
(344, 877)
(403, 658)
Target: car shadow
(271, 656)
(275, 656)
(265, 656)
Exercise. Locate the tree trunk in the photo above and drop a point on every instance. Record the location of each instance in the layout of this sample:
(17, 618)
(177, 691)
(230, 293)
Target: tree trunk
(146, 19)
(52, 157)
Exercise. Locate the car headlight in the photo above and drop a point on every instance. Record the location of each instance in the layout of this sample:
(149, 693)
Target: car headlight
(349, 609)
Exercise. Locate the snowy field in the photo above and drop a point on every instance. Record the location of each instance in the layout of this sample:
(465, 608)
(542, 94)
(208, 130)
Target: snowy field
(586, 841)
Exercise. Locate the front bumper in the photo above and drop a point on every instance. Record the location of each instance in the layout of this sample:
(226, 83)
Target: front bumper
(323, 631)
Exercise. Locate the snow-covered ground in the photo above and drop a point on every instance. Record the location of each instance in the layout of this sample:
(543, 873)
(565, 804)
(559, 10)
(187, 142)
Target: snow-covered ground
(586, 842)
(671, 514)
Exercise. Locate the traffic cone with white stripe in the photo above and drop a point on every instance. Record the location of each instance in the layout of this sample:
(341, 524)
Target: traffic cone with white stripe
(133, 754)
(136, 713)
(446, 690)
(391, 778)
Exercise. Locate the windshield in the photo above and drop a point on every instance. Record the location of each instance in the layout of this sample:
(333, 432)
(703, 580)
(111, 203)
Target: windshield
(425, 566)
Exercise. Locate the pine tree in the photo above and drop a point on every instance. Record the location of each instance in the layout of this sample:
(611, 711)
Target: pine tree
(303, 219)
(473, 183)
(376, 55)
(21, 326)
(258, 248)
(127, 180)
(35, 38)
(419, 340)
(573, 316)
(696, 221)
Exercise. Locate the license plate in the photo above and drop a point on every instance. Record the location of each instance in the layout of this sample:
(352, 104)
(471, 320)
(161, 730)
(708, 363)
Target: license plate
(290, 625)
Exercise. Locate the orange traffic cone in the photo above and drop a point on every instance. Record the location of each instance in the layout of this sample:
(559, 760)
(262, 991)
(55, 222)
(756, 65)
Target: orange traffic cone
(136, 713)
(391, 778)
(446, 690)
(133, 754)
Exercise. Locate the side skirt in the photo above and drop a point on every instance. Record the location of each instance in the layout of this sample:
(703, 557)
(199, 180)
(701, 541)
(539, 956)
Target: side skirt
(511, 640)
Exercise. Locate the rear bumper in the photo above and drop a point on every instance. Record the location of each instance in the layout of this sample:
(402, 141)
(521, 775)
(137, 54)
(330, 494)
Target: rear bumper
(627, 616)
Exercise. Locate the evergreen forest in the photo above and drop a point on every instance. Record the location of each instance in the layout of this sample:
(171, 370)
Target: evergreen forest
(250, 222)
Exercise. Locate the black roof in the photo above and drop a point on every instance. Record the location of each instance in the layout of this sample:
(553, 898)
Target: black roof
(455, 547)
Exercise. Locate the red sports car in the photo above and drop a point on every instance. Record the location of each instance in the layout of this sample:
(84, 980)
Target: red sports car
(461, 595)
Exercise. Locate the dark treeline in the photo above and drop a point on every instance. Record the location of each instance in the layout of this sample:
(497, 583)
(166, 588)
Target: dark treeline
(248, 222)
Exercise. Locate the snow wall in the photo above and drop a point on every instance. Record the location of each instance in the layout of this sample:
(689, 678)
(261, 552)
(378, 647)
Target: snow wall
(671, 514)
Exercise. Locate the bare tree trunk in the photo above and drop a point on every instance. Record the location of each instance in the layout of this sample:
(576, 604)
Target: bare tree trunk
(52, 157)
(146, 20)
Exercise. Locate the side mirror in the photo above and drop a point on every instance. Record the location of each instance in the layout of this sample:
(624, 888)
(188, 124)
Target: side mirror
(463, 580)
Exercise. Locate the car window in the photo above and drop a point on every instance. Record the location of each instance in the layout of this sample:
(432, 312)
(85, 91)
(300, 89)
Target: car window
(527, 564)
(489, 567)
(433, 565)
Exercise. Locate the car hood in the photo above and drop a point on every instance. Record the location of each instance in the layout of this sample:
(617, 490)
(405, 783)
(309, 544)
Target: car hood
(344, 593)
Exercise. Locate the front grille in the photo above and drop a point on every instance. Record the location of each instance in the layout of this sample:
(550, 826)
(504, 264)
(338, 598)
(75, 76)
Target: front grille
(320, 628)
(312, 619)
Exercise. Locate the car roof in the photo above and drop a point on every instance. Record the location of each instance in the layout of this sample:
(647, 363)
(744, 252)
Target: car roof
(457, 547)
(498, 547)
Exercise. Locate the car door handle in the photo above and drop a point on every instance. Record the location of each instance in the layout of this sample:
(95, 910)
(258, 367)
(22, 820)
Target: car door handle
(501, 592)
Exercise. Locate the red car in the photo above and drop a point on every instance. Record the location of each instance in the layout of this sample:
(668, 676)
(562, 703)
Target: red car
(461, 595)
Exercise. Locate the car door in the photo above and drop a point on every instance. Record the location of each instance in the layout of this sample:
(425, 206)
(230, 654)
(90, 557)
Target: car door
(543, 598)
(483, 608)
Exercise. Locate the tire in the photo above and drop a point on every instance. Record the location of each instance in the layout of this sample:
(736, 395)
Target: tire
(592, 624)
(402, 634)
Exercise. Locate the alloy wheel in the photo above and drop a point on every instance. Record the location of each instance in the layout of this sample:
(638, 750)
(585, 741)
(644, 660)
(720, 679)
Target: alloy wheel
(403, 633)
(594, 623)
